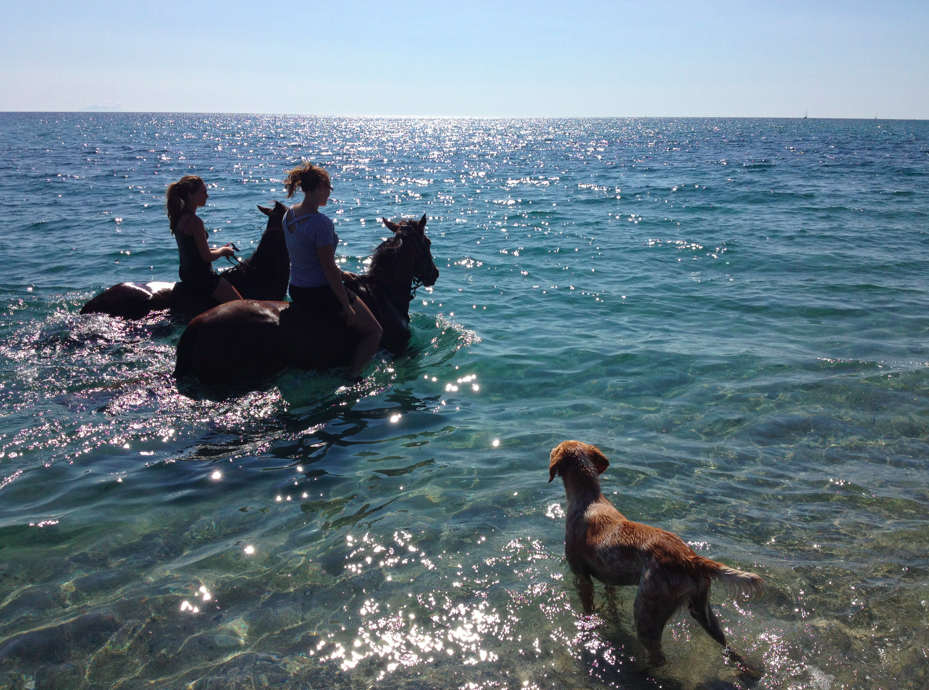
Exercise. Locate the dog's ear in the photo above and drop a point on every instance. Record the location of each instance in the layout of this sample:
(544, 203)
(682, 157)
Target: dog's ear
(554, 461)
(561, 456)
(597, 459)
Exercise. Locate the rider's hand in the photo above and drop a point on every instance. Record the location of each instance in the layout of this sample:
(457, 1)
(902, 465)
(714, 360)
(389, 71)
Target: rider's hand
(227, 250)
(349, 315)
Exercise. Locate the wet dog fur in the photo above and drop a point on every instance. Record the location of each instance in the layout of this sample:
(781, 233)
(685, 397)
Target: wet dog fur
(601, 543)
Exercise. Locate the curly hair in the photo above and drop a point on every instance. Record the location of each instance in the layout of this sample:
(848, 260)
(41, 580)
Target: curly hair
(178, 194)
(306, 177)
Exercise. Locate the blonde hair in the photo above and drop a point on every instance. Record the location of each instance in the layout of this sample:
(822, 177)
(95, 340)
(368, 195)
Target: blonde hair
(178, 194)
(305, 177)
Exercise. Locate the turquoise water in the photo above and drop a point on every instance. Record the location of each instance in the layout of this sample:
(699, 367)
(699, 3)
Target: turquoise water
(735, 311)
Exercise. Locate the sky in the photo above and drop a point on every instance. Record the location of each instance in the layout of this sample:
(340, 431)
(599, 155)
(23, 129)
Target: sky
(469, 58)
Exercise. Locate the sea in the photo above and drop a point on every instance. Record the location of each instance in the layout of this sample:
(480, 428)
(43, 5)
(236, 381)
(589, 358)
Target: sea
(735, 311)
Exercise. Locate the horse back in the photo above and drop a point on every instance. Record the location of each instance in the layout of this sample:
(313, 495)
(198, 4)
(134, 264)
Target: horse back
(314, 339)
(236, 341)
(131, 300)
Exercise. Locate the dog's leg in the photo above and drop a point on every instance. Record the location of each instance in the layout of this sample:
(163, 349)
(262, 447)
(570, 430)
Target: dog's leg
(652, 611)
(700, 609)
(585, 587)
(613, 605)
(702, 612)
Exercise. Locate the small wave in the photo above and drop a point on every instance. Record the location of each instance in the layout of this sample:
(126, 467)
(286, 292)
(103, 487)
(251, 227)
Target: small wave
(759, 165)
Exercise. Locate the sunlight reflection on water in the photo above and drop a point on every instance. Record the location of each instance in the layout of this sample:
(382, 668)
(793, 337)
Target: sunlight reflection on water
(696, 296)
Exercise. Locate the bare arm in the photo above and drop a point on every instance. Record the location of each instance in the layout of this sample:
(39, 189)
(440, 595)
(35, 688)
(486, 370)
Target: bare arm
(195, 227)
(333, 275)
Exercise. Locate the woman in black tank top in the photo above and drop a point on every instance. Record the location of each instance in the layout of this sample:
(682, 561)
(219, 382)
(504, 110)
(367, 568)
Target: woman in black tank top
(196, 257)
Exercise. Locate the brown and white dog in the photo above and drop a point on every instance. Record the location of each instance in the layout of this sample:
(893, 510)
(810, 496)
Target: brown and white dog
(601, 543)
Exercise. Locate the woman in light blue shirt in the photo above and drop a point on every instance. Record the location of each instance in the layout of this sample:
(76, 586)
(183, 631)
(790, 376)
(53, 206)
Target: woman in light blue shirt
(315, 279)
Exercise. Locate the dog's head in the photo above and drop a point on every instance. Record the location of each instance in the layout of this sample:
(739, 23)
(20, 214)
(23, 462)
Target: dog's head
(567, 454)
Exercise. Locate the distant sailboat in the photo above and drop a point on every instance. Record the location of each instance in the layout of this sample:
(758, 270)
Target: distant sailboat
(806, 114)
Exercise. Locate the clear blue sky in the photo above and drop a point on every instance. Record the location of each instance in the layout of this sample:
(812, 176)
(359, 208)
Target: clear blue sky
(470, 57)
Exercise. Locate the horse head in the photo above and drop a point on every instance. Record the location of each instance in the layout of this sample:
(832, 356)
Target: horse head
(266, 273)
(413, 247)
(275, 214)
(398, 267)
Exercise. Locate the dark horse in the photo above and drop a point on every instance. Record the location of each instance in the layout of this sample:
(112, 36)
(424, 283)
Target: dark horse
(263, 275)
(249, 340)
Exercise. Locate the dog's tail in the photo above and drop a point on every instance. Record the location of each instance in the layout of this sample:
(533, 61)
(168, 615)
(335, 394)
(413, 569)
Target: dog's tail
(737, 581)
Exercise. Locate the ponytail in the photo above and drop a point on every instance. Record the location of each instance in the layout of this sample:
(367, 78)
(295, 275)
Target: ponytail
(306, 177)
(178, 194)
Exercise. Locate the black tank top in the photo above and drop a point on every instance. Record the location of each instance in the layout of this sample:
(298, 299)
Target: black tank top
(191, 263)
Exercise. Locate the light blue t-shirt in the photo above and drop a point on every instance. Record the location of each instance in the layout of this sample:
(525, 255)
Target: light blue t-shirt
(303, 235)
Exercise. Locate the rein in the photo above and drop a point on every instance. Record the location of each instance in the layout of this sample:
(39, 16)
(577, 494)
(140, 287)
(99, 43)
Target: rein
(238, 261)
(417, 283)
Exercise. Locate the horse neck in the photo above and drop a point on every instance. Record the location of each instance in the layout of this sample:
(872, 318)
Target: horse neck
(396, 284)
(271, 261)
(271, 251)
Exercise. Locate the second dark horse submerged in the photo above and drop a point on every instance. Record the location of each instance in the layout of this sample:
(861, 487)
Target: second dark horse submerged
(248, 340)
(263, 275)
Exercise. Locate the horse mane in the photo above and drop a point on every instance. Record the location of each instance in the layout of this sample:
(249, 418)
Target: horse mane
(382, 259)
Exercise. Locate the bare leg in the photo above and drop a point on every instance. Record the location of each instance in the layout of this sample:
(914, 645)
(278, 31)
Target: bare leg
(224, 292)
(371, 333)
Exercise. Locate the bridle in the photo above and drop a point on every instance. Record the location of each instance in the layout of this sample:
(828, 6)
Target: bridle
(423, 257)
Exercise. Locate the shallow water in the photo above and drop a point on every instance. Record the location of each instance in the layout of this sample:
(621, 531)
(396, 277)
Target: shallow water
(735, 311)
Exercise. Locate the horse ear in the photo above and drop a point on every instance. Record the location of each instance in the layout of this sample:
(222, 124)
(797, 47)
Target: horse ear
(394, 227)
(421, 226)
(266, 211)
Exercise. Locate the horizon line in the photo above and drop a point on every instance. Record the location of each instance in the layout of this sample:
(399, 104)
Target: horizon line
(92, 111)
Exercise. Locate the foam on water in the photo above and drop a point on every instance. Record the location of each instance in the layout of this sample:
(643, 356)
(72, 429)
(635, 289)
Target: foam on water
(734, 310)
